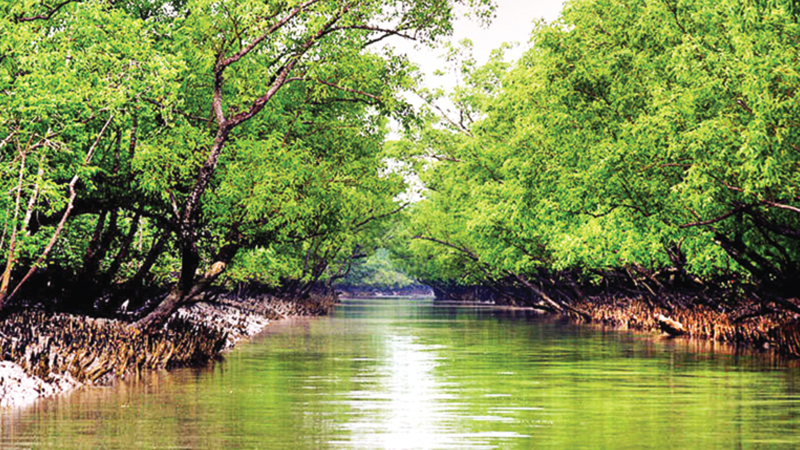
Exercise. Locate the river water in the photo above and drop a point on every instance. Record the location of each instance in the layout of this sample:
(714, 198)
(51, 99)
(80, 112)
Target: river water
(408, 374)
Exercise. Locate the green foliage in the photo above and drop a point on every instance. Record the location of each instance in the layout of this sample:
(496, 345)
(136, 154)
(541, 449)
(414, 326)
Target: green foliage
(633, 133)
(377, 271)
(175, 133)
(168, 132)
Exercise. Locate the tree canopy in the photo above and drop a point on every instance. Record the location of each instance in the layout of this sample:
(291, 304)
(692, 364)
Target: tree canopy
(654, 137)
(193, 143)
(147, 140)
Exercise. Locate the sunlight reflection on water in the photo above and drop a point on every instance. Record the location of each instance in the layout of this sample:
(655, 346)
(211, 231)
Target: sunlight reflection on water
(409, 406)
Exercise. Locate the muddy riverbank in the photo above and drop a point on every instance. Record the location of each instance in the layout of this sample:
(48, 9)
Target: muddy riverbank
(762, 325)
(46, 354)
(724, 309)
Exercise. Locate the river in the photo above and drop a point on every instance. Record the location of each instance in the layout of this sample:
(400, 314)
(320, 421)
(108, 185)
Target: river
(409, 374)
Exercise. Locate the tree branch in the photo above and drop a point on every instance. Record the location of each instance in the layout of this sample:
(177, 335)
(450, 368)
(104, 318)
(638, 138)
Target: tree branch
(674, 11)
(444, 115)
(60, 227)
(381, 216)
(387, 32)
(275, 27)
(782, 206)
(720, 218)
(47, 15)
(352, 91)
(9, 138)
(463, 250)
(283, 75)
(773, 227)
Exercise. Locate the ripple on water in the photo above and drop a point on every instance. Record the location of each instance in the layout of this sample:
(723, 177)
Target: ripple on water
(409, 375)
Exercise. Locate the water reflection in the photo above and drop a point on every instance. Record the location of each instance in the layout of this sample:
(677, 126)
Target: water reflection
(407, 375)
(400, 403)
(404, 404)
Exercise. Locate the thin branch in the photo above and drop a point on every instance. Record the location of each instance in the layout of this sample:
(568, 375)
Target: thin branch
(387, 32)
(554, 304)
(380, 38)
(731, 187)
(34, 197)
(60, 227)
(596, 215)
(381, 216)
(9, 138)
(280, 80)
(89, 155)
(443, 158)
(742, 103)
(174, 204)
(132, 142)
(352, 91)
(275, 27)
(782, 206)
(718, 219)
(463, 250)
(6, 277)
(772, 226)
(674, 11)
(47, 15)
(558, 305)
(444, 115)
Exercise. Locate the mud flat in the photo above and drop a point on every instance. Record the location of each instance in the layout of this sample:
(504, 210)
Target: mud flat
(47, 354)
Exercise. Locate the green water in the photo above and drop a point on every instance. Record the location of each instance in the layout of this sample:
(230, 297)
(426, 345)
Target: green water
(400, 374)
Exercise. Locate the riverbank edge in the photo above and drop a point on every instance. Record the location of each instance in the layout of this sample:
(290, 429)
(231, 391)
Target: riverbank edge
(762, 326)
(755, 325)
(238, 319)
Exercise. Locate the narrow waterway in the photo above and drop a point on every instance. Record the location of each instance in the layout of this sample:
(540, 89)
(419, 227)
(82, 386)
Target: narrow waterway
(408, 374)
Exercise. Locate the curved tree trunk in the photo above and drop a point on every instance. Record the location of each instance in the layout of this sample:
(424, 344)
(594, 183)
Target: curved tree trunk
(188, 291)
(188, 288)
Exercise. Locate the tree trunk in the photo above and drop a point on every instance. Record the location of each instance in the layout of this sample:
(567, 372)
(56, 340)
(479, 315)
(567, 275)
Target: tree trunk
(149, 261)
(123, 252)
(558, 305)
(187, 287)
(186, 291)
(99, 247)
(34, 197)
(12, 245)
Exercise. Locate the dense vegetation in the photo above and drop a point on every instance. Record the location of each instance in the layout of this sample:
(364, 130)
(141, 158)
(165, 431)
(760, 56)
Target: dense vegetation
(637, 145)
(376, 271)
(149, 143)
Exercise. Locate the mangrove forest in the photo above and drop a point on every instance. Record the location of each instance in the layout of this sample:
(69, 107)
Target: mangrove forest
(638, 166)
